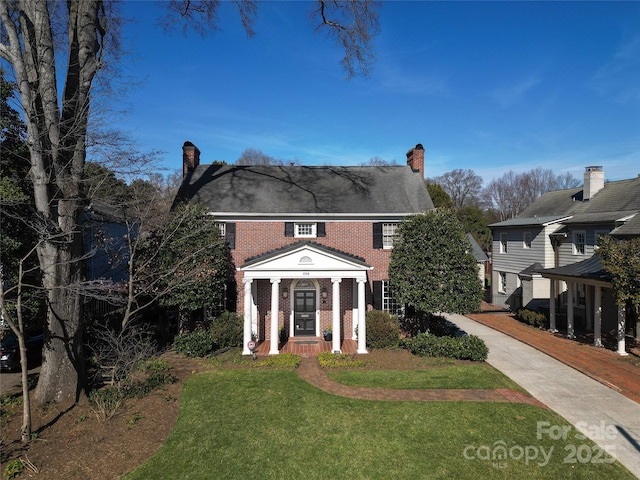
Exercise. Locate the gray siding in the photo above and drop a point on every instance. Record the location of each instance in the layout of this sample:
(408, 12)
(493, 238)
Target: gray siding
(565, 252)
(518, 257)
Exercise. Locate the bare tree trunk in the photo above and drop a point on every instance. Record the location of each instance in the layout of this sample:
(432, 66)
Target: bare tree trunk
(56, 138)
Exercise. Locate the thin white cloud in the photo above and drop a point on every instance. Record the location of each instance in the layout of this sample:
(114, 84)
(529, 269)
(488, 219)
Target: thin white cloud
(511, 95)
(620, 77)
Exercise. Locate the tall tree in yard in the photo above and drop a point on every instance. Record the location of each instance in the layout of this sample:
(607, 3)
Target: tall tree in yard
(48, 44)
(432, 266)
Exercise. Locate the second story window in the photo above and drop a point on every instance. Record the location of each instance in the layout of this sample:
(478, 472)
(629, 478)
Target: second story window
(503, 243)
(305, 230)
(388, 234)
(526, 240)
(579, 241)
(223, 229)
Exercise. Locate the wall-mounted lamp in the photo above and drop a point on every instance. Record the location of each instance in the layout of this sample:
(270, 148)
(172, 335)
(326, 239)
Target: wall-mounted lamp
(285, 293)
(323, 293)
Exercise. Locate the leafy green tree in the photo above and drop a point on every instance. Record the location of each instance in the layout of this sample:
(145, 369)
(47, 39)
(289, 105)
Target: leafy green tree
(440, 198)
(432, 267)
(621, 258)
(475, 222)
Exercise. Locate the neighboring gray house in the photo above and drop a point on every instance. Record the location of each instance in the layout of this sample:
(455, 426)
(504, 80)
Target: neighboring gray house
(543, 259)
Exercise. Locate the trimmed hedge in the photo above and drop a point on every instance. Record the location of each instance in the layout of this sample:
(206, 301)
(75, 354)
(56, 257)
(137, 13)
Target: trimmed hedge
(530, 317)
(467, 347)
(194, 344)
(383, 330)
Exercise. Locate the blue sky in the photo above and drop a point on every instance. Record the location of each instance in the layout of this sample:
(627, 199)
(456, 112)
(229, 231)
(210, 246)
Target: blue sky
(486, 86)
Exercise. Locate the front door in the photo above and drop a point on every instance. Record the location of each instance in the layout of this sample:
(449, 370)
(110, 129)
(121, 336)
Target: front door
(304, 314)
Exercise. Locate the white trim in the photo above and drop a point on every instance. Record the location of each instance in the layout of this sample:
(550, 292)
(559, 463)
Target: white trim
(281, 217)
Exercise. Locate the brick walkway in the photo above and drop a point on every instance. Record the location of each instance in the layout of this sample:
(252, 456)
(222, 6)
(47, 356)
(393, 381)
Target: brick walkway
(601, 364)
(310, 371)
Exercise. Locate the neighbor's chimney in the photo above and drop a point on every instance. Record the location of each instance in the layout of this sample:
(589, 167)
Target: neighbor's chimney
(593, 182)
(415, 159)
(190, 158)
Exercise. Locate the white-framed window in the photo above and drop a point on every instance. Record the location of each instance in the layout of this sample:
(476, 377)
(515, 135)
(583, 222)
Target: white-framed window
(503, 243)
(579, 241)
(223, 228)
(527, 238)
(389, 303)
(305, 230)
(502, 282)
(388, 234)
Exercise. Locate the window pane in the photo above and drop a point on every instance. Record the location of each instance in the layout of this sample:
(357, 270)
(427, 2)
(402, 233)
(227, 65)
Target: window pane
(388, 234)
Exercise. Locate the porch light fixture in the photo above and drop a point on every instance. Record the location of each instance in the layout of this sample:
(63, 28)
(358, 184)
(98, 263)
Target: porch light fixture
(285, 293)
(324, 293)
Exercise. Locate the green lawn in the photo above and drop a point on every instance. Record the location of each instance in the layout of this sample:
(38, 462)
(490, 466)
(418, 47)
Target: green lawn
(270, 424)
(481, 376)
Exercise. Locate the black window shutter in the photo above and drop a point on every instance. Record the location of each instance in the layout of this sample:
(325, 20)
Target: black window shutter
(377, 235)
(320, 230)
(288, 229)
(377, 295)
(230, 235)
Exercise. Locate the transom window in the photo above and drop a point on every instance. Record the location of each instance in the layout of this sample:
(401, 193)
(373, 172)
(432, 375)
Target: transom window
(579, 240)
(305, 230)
(388, 234)
(389, 303)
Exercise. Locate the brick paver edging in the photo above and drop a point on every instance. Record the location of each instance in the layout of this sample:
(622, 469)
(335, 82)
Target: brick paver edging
(310, 371)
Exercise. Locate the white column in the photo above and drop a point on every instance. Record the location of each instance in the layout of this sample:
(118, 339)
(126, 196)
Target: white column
(552, 306)
(588, 311)
(247, 316)
(570, 329)
(597, 317)
(335, 303)
(621, 330)
(275, 307)
(362, 328)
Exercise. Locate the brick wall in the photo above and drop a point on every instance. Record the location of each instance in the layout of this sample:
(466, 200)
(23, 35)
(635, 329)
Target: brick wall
(354, 238)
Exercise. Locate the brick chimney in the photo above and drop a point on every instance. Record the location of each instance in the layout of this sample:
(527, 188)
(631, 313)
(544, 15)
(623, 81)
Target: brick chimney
(593, 182)
(190, 158)
(415, 159)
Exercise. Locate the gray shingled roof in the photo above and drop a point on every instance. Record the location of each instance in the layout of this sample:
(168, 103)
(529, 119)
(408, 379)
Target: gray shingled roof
(630, 228)
(307, 190)
(523, 221)
(616, 200)
(590, 268)
(478, 253)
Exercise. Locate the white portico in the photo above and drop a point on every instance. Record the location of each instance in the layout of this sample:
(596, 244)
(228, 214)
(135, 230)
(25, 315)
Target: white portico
(304, 288)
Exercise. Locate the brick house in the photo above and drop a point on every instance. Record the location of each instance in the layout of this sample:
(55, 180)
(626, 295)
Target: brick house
(311, 245)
